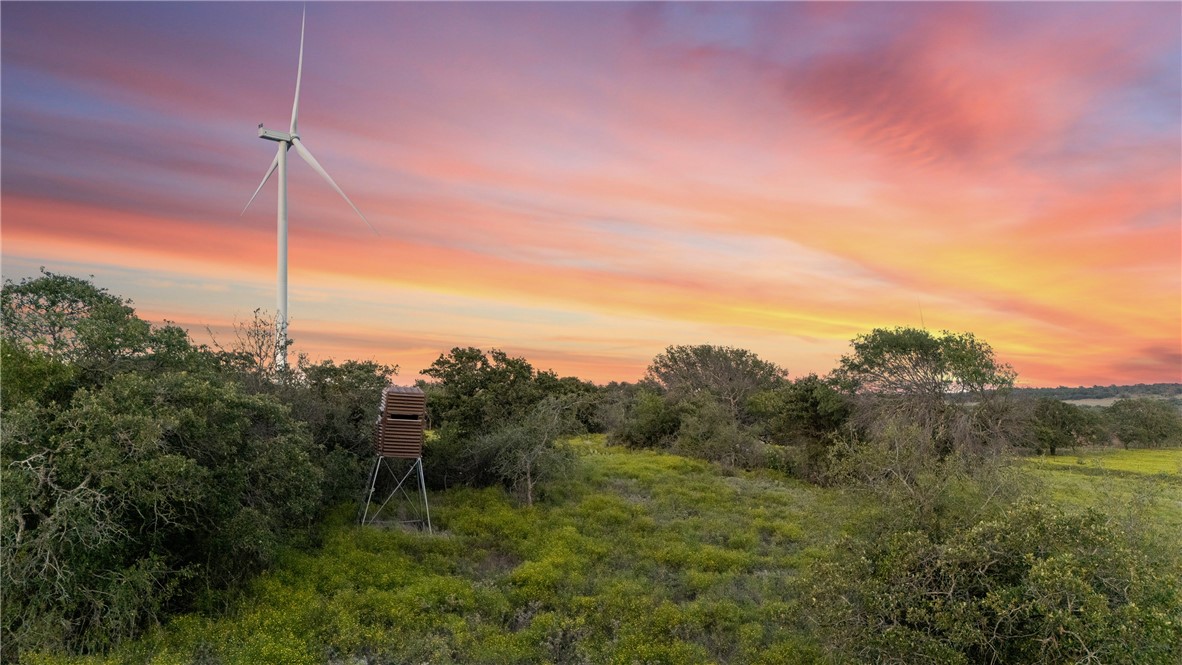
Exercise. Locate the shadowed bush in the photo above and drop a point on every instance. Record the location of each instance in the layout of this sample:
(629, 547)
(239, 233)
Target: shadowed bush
(110, 504)
(1035, 584)
(962, 562)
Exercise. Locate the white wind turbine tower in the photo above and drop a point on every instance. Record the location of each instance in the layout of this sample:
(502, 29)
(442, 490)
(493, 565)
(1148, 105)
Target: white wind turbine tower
(286, 141)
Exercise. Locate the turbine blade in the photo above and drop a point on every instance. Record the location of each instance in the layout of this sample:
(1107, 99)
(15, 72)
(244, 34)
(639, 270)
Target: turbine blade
(266, 177)
(299, 146)
(295, 105)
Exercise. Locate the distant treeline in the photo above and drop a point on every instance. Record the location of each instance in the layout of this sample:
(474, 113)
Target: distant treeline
(1103, 392)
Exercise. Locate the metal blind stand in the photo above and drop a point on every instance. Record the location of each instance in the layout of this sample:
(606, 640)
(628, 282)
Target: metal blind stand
(400, 487)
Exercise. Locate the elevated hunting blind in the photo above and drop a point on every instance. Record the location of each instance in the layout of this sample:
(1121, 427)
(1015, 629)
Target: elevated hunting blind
(398, 436)
(402, 423)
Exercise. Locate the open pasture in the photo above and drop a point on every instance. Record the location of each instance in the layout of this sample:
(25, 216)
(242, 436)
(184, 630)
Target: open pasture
(1104, 476)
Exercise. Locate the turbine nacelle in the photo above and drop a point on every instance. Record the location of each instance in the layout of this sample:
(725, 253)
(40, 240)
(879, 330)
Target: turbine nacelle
(272, 135)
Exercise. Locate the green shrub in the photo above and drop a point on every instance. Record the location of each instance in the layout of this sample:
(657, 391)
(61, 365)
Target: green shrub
(111, 503)
(474, 392)
(650, 421)
(900, 470)
(709, 431)
(530, 452)
(728, 375)
(798, 413)
(1034, 584)
(34, 376)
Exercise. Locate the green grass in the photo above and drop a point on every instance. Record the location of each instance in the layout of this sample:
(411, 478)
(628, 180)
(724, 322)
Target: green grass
(1167, 461)
(1108, 476)
(640, 557)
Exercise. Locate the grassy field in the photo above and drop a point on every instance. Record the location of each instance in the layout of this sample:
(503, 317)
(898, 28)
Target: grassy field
(1102, 477)
(642, 557)
(1165, 462)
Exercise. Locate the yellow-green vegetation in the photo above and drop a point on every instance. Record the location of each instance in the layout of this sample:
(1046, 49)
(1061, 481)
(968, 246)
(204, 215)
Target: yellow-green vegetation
(1167, 461)
(1103, 476)
(644, 557)
(639, 557)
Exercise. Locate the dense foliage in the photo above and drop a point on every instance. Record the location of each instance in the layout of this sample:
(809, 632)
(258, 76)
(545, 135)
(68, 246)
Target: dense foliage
(951, 385)
(806, 416)
(727, 375)
(963, 561)
(142, 474)
(498, 420)
(1145, 422)
(1055, 425)
(641, 557)
(113, 501)
(948, 562)
(702, 401)
(1035, 584)
(913, 362)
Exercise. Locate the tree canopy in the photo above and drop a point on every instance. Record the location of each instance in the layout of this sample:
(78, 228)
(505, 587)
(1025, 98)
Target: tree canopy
(914, 362)
(474, 391)
(729, 374)
(949, 384)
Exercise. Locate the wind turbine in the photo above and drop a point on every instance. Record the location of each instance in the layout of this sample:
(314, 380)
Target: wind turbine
(286, 141)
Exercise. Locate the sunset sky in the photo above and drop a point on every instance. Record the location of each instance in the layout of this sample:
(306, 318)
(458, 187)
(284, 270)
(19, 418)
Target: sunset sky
(585, 184)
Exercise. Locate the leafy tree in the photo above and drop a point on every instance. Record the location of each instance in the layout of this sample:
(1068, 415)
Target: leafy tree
(583, 396)
(67, 317)
(527, 452)
(342, 401)
(695, 400)
(58, 320)
(1145, 422)
(732, 375)
(477, 395)
(142, 474)
(338, 404)
(951, 385)
(800, 411)
(808, 414)
(33, 376)
(1055, 424)
(613, 403)
(910, 362)
(476, 391)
